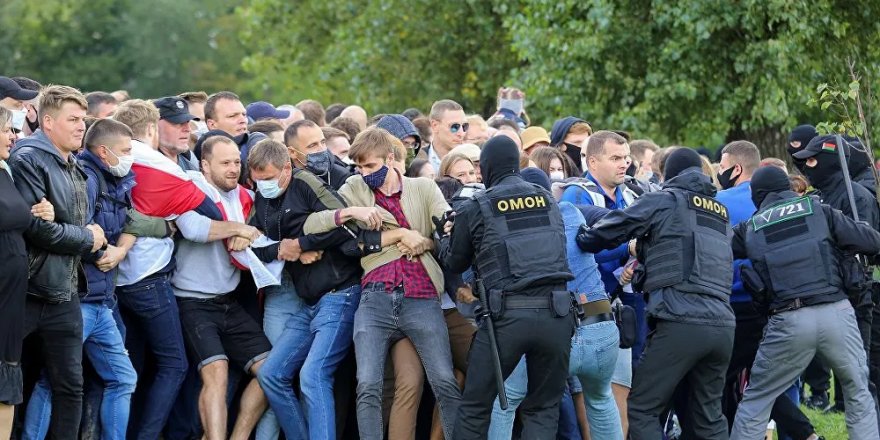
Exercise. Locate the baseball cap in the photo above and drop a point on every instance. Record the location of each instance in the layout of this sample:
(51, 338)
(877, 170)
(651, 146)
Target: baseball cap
(11, 89)
(263, 110)
(819, 144)
(173, 109)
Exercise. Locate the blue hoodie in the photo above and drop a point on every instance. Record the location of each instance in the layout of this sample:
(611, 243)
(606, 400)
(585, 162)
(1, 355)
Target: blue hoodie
(738, 201)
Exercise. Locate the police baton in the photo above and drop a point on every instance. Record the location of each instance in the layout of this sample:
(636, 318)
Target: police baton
(846, 178)
(493, 341)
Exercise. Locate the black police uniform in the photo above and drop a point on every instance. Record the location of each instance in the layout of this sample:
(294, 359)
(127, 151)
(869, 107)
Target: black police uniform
(513, 233)
(827, 177)
(795, 243)
(686, 270)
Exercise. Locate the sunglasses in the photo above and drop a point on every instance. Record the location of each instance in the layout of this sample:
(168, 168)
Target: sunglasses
(455, 128)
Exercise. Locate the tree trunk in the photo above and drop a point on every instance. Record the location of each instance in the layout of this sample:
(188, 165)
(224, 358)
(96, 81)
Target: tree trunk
(771, 141)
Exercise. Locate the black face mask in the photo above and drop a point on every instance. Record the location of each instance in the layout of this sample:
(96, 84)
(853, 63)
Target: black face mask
(574, 153)
(826, 172)
(725, 178)
(32, 125)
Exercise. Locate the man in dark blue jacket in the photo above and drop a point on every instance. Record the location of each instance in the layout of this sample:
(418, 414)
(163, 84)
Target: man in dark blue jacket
(107, 162)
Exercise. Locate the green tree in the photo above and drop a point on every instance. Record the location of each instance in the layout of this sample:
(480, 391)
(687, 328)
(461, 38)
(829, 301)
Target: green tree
(385, 55)
(689, 71)
(153, 48)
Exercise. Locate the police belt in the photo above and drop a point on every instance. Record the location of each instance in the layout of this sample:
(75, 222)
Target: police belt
(799, 303)
(526, 302)
(595, 312)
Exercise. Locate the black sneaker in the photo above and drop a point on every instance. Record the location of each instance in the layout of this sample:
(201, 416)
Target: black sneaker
(818, 401)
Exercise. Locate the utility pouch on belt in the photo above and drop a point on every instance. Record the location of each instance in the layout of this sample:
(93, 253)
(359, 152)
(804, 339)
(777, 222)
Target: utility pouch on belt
(496, 304)
(561, 303)
(625, 318)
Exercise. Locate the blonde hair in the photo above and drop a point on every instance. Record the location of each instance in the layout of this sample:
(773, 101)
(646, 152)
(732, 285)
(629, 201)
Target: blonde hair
(137, 114)
(372, 141)
(709, 170)
(53, 97)
(450, 160)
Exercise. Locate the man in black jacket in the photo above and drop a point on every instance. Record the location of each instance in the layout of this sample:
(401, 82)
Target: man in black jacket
(326, 274)
(43, 166)
(686, 270)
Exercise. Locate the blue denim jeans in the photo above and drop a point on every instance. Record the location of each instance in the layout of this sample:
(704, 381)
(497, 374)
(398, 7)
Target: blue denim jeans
(150, 304)
(382, 317)
(594, 351)
(104, 346)
(280, 303)
(313, 343)
(515, 386)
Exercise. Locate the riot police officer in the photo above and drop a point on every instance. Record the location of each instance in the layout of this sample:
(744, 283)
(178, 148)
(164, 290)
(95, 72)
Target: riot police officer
(822, 165)
(795, 243)
(686, 270)
(513, 233)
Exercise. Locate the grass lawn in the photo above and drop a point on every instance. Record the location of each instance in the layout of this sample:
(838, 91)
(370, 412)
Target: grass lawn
(832, 426)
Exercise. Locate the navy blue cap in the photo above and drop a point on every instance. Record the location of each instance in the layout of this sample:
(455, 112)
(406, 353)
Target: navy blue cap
(263, 110)
(11, 89)
(173, 109)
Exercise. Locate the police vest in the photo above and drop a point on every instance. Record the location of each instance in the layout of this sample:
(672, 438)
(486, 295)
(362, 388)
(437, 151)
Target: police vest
(594, 192)
(523, 238)
(691, 250)
(790, 246)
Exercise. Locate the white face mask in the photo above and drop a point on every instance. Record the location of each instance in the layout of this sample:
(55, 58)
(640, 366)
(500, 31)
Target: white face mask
(122, 168)
(18, 118)
(557, 175)
(201, 128)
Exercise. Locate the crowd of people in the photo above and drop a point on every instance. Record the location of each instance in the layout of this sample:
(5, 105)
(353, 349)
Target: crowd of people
(189, 266)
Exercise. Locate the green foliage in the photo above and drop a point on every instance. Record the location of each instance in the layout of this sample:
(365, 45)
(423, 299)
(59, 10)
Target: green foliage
(151, 48)
(386, 55)
(690, 71)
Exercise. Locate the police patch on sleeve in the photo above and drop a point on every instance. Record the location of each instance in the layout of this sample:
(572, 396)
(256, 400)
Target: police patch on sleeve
(509, 205)
(790, 210)
(708, 205)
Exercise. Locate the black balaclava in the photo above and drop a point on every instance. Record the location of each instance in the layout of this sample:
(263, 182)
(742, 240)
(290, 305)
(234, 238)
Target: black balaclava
(857, 160)
(827, 170)
(803, 134)
(766, 181)
(680, 160)
(499, 158)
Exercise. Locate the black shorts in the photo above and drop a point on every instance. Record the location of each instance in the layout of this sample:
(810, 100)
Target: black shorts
(219, 329)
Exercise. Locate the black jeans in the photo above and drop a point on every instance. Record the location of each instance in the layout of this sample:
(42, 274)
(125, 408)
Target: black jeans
(546, 343)
(60, 329)
(674, 355)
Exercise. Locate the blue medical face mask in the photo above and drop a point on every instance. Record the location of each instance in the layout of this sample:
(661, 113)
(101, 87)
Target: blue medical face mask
(376, 179)
(270, 188)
